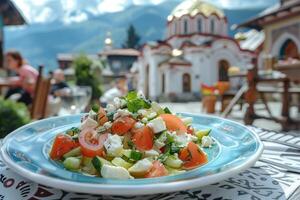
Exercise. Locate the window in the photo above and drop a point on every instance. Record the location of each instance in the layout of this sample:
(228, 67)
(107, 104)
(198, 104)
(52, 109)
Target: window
(186, 82)
(175, 27)
(199, 25)
(185, 27)
(212, 26)
(163, 83)
(223, 70)
(288, 50)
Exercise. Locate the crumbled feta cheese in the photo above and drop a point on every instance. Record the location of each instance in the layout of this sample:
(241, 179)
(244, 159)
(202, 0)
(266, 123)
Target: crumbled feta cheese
(142, 112)
(157, 125)
(123, 103)
(107, 125)
(121, 113)
(151, 115)
(151, 153)
(141, 95)
(206, 141)
(113, 145)
(110, 108)
(117, 102)
(185, 138)
(89, 123)
(144, 120)
(115, 172)
(138, 125)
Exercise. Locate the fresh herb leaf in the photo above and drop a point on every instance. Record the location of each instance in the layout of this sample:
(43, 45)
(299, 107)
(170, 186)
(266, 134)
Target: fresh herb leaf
(135, 105)
(95, 108)
(147, 104)
(135, 155)
(170, 139)
(131, 95)
(167, 110)
(73, 131)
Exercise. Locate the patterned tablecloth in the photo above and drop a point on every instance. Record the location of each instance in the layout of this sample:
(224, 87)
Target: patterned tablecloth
(262, 181)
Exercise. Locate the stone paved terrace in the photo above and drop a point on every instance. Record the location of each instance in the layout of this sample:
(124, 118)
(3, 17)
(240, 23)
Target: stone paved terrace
(236, 114)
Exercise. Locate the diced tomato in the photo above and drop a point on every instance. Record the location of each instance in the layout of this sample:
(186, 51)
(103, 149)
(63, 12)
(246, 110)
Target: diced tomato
(143, 138)
(122, 125)
(157, 170)
(102, 118)
(62, 144)
(174, 123)
(190, 130)
(91, 143)
(192, 156)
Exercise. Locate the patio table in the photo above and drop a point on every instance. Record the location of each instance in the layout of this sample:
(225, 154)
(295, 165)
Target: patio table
(275, 176)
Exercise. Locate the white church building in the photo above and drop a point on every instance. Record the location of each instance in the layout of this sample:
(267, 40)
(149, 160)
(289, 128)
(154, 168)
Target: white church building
(197, 50)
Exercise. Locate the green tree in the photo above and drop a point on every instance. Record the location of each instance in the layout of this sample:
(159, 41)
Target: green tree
(85, 76)
(12, 116)
(133, 38)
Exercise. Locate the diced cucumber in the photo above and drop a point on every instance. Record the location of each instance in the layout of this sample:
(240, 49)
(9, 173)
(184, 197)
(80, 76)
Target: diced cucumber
(73, 153)
(140, 168)
(187, 120)
(202, 133)
(132, 154)
(126, 152)
(72, 163)
(156, 108)
(121, 163)
(173, 171)
(86, 161)
(98, 162)
(173, 161)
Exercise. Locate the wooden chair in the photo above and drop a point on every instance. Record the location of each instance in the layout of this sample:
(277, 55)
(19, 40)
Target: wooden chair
(40, 99)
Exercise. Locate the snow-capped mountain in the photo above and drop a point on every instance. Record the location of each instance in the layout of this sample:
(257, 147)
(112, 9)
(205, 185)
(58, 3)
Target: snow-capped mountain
(69, 11)
(52, 29)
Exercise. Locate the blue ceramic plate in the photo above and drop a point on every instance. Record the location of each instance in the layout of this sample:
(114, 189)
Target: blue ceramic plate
(26, 151)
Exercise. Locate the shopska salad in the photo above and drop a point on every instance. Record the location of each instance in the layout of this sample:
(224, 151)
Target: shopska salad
(132, 138)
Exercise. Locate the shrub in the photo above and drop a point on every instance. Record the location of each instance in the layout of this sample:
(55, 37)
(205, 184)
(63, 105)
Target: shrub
(12, 116)
(85, 76)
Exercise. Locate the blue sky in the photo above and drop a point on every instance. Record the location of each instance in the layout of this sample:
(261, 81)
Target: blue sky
(75, 10)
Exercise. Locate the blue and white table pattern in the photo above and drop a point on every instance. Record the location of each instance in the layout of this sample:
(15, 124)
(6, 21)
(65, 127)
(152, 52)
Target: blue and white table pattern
(275, 176)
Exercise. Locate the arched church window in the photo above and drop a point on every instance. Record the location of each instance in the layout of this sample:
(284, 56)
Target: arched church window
(163, 83)
(185, 26)
(223, 70)
(289, 50)
(212, 26)
(175, 27)
(186, 82)
(199, 25)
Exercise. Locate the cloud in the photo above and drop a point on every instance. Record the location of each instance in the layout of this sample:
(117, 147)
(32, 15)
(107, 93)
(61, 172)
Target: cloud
(39, 11)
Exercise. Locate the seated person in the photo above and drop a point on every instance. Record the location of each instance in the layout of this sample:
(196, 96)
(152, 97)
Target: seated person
(59, 86)
(119, 90)
(24, 83)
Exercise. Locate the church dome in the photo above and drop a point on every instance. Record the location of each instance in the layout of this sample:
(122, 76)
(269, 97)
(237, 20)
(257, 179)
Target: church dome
(194, 7)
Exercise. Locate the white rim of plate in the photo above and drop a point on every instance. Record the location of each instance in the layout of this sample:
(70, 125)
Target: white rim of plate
(127, 190)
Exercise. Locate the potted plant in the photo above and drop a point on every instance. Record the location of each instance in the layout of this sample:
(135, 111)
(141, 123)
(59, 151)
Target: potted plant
(209, 98)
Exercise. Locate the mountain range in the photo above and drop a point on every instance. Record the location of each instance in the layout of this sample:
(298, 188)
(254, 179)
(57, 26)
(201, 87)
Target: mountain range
(41, 42)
